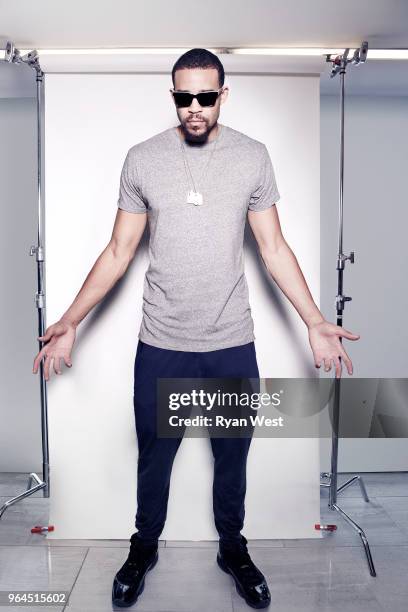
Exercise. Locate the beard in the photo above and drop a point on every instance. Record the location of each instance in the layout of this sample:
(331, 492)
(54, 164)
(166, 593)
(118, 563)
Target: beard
(196, 132)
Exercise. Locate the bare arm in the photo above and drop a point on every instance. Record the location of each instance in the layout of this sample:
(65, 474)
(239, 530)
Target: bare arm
(284, 268)
(109, 267)
(281, 263)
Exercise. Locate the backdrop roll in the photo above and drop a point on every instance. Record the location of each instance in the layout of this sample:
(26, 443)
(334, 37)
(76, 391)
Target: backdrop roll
(91, 120)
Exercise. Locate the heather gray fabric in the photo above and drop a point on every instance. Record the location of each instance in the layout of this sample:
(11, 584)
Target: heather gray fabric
(195, 292)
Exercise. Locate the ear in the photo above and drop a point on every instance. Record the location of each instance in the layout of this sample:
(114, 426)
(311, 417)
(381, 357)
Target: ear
(224, 94)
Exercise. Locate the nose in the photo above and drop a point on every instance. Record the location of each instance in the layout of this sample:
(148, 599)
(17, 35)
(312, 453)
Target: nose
(194, 106)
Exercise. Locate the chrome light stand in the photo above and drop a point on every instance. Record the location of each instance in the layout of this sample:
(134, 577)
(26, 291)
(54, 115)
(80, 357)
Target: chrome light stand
(339, 64)
(12, 55)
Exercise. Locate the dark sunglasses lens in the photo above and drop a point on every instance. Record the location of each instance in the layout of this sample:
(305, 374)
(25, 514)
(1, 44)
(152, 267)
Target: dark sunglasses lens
(182, 99)
(207, 98)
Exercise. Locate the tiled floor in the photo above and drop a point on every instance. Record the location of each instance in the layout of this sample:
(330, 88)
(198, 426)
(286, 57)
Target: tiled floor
(328, 575)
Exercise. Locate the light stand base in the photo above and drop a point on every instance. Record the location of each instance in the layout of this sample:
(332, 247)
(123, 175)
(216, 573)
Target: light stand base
(41, 484)
(346, 517)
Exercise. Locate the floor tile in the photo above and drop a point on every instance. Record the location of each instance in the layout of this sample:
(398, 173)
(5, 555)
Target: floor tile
(183, 580)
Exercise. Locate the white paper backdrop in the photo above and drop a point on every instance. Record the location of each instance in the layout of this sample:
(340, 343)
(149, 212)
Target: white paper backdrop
(91, 120)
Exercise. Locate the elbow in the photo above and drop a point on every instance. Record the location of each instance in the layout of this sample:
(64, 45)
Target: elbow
(270, 250)
(121, 256)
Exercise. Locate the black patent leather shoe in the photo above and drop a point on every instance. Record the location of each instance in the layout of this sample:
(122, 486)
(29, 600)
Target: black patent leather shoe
(249, 580)
(129, 581)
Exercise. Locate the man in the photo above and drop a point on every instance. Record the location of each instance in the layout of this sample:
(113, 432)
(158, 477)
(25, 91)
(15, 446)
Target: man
(196, 183)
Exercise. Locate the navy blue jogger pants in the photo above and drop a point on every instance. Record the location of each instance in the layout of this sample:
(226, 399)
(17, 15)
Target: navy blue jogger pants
(156, 455)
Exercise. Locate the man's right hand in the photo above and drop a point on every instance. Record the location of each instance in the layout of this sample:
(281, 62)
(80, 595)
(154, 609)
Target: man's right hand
(59, 338)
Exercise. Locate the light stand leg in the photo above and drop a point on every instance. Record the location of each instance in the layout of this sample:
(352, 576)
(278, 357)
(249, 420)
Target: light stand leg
(351, 481)
(362, 536)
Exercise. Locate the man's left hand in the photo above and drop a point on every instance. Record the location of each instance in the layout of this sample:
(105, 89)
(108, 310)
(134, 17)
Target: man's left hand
(326, 346)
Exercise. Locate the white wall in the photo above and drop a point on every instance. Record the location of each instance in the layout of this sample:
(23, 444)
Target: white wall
(91, 121)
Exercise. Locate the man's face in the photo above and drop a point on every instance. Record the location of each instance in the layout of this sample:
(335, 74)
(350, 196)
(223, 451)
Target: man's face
(197, 121)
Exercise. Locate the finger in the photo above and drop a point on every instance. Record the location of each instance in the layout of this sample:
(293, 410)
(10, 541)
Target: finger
(327, 364)
(37, 360)
(47, 334)
(47, 367)
(57, 365)
(67, 361)
(347, 361)
(347, 334)
(318, 362)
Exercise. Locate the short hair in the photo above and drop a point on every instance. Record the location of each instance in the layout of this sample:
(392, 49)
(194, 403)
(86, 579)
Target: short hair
(199, 58)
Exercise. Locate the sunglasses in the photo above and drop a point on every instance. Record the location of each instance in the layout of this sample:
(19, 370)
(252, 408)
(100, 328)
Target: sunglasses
(183, 99)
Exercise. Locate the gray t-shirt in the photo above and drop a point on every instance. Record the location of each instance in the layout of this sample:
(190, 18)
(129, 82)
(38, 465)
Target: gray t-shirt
(195, 295)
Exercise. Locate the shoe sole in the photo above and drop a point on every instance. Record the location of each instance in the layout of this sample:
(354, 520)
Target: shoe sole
(238, 587)
(122, 604)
